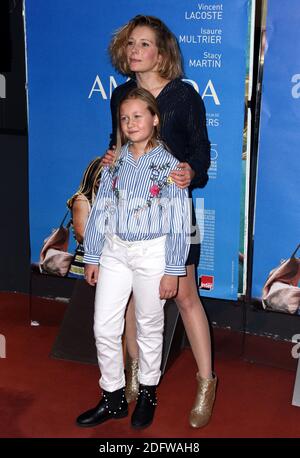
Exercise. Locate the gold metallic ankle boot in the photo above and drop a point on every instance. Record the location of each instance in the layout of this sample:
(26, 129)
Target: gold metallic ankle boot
(202, 409)
(132, 383)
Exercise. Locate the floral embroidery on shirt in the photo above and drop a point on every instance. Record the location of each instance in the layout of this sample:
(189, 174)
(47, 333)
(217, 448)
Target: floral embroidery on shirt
(114, 182)
(155, 188)
(158, 168)
(114, 170)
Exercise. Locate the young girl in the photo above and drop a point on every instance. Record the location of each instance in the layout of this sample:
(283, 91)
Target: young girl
(80, 205)
(136, 239)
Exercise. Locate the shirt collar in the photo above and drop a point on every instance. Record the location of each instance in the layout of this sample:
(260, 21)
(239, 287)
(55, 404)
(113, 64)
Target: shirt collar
(126, 155)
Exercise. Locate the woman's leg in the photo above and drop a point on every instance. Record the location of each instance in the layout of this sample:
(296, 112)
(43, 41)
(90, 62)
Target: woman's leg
(195, 322)
(131, 353)
(130, 330)
(197, 329)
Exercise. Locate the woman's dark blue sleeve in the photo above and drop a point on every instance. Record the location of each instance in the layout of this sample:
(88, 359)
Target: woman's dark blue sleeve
(198, 144)
(113, 111)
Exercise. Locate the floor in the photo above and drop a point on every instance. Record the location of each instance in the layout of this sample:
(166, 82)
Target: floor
(40, 397)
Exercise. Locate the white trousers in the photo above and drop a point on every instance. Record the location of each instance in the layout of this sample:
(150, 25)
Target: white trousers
(125, 267)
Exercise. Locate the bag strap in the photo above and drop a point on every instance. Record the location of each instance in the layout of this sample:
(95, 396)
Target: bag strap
(64, 219)
(293, 255)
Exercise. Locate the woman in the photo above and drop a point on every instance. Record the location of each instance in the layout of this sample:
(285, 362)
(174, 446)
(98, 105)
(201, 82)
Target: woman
(145, 50)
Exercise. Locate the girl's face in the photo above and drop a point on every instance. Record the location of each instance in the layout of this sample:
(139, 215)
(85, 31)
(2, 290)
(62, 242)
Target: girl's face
(136, 121)
(141, 50)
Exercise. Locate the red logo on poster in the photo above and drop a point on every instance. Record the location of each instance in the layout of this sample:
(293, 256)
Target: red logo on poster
(206, 282)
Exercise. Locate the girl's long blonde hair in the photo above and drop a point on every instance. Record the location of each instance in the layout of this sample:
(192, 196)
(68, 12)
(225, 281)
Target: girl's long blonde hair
(90, 182)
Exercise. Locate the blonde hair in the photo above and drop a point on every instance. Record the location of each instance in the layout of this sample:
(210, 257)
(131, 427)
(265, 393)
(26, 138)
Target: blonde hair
(90, 182)
(166, 42)
(149, 99)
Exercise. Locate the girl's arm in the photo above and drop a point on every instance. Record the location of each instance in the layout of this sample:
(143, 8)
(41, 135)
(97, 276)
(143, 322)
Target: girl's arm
(178, 237)
(91, 273)
(94, 234)
(80, 213)
(168, 286)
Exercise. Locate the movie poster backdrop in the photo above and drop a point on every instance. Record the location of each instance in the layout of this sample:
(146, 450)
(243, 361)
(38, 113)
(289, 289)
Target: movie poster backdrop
(277, 216)
(70, 81)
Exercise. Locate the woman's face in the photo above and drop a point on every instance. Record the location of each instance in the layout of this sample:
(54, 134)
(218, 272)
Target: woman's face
(141, 50)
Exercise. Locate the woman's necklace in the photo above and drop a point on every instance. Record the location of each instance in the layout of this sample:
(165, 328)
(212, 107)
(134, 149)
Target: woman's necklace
(156, 89)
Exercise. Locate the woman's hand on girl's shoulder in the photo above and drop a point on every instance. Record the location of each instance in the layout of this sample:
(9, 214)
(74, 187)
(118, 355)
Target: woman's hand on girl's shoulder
(183, 175)
(108, 157)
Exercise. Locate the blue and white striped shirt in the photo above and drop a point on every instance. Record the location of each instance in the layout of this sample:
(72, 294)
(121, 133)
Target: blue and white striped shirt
(137, 201)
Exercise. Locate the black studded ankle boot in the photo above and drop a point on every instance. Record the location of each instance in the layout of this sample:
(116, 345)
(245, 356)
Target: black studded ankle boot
(145, 407)
(112, 405)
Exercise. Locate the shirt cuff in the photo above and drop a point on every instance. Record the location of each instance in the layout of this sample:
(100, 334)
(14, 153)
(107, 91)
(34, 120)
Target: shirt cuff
(179, 271)
(91, 259)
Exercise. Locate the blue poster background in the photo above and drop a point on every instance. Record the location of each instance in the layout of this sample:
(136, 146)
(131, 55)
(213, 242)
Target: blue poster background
(277, 217)
(70, 81)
